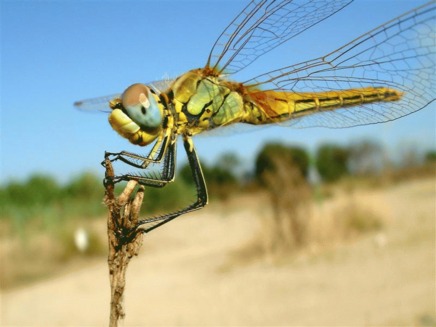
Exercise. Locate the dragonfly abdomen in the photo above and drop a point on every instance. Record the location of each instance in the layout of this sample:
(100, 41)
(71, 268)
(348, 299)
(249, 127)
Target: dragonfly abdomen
(266, 107)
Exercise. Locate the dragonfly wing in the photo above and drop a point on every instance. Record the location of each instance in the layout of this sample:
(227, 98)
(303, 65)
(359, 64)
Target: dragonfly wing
(96, 104)
(102, 103)
(262, 26)
(399, 54)
(161, 85)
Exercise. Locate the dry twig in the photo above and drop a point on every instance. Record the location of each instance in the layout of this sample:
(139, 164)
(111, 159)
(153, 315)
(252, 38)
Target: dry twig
(123, 238)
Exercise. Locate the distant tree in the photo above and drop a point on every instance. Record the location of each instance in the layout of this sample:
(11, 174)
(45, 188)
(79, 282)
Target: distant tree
(430, 156)
(224, 171)
(220, 178)
(86, 185)
(367, 157)
(218, 175)
(292, 155)
(185, 174)
(36, 190)
(229, 162)
(331, 162)
(410, 155)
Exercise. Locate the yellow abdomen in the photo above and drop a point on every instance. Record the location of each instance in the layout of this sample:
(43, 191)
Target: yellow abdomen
(275, 106)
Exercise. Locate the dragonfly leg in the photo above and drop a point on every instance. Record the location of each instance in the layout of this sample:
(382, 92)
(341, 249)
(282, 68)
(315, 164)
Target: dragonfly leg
(139, 161)
(147, 225)
(155, 179)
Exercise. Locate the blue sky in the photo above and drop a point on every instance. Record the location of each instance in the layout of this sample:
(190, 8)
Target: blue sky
(56, 52)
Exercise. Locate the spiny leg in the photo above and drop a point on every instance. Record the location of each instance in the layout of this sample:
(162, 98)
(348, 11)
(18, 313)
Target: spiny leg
(139, 161)
(166, 174)
(201, 191)
(155, 180)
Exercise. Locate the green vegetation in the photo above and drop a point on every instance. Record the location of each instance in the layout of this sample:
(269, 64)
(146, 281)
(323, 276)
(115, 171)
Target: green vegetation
(291, 155)
(41, 221)
(43, 200)
(221, 178)
(40, 217)
(430, 156)
(332, 162)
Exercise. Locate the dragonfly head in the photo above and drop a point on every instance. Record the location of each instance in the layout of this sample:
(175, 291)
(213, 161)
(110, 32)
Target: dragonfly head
(138, 116)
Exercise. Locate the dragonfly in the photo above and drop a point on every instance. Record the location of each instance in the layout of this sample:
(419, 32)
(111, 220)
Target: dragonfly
(386, 73)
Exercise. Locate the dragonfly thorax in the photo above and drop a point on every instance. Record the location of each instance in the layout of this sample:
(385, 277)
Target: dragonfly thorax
(203, 102)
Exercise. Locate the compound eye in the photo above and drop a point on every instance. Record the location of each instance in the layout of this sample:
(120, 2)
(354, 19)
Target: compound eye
(141, 106)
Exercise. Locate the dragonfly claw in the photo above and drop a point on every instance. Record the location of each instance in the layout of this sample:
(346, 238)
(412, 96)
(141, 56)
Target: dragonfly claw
(115, 155)
(112, 180)
(108, 155)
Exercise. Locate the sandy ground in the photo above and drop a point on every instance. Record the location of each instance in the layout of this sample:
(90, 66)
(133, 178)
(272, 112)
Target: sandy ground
(184, 276)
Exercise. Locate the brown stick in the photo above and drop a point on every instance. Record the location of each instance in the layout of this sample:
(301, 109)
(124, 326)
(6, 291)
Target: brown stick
(123, 239)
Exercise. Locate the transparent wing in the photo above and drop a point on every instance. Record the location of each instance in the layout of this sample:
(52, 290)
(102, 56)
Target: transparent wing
(399, 54)
(262, 26)
(102, 103)
(161, 85)
(96, 104)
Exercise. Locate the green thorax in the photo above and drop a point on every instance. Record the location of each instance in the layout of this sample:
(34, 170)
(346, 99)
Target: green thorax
(205, 102)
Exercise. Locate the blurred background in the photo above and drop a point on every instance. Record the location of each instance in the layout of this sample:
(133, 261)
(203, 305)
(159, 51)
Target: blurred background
(305, 226)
